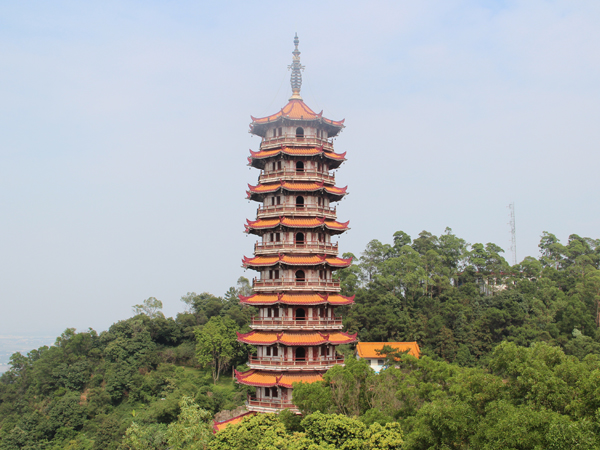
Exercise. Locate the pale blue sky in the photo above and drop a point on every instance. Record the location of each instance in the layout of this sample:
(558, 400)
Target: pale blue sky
(123, 135)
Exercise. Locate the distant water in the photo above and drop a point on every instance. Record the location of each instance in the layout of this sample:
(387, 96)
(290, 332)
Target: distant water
(10, 344)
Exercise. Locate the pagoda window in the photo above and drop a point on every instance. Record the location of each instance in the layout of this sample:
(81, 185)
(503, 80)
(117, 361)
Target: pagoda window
(276, 315)
(275, 351)
(319, 201)
(279, 200)
(300, 238)
(276, 274)
(268, 351)
(322, 274)
(300, 314)
(299, 166)
(300, 354)
(323, 351)
(300, 275)
(274, 392)
(267, 392)
(299, 202)
(277, 237)
(299, 132)
(274, 132)
(279, 162)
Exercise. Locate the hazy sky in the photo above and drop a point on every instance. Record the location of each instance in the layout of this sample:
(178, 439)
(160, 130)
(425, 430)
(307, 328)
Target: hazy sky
(124, 135)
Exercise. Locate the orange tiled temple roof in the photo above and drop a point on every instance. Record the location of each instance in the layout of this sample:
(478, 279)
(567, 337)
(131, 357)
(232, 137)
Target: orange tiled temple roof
(219, 426)
(296, 109)
(296, 260)
(295, 338)
(296, 187)
(297, 299)
(367, 349)
(296, 151)
(268, 379)
(313, 222)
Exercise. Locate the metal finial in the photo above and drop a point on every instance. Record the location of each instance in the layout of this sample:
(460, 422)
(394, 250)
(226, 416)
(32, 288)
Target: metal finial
(297, 68)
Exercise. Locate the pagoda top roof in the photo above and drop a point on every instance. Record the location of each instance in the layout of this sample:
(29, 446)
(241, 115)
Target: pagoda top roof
(295, 110)
(269, 379)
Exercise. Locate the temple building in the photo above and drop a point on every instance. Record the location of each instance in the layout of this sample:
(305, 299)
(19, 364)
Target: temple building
(296, 330)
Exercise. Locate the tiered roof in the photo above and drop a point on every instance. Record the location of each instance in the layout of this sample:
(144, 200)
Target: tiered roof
(313, 260)
(295, 110)
(296, 299)
(314, 222)
(256, 159)
(257, 192)
(293, 338)
(268, 379)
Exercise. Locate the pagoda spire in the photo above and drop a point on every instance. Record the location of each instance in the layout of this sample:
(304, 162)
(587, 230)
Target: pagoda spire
(297, 68)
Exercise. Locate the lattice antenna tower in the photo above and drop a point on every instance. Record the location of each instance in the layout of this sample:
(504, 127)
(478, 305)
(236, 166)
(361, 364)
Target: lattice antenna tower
(513, 233)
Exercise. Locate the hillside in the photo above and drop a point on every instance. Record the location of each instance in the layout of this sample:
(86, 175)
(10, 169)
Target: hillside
(459, 301)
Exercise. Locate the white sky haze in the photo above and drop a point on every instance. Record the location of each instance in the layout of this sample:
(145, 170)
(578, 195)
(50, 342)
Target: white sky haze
(124, 135)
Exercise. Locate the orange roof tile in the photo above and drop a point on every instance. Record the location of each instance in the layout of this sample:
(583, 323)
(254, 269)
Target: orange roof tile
(297, 110)
(313, 222)
(367, 349)
(268, 379)
(295, 187)
(290, 378)
(296, 151)
(220, 426)
(296, 299)
(295, 338)
(313, 260)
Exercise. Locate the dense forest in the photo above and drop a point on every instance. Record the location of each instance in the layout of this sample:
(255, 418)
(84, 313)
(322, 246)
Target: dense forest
(511, 359)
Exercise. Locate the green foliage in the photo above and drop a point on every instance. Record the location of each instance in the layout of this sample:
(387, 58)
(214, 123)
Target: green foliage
(523, 398)
(318, 432)
(85, 391)
(459, 300)
(150, 307)
(217, 345)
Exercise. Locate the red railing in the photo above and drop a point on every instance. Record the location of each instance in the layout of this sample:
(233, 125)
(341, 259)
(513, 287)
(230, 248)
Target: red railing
(294, 284)
(292, 174)
(290, 245)
(268, 143)
(274, 403)
(296, 210)
(287, 321)
(285, 362)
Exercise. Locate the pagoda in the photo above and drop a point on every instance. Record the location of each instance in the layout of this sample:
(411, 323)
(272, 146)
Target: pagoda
(296, 330)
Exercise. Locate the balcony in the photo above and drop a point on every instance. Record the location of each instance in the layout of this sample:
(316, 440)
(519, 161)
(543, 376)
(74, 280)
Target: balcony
(293, 210)
(280, 363)
(262, 405)
(275, 142)
(285, 284)
(295, 175)
(287, 323)
(265, 248)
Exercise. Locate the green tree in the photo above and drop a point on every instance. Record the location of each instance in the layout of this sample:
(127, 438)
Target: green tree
(216, 345)
(193, 428)
(150, 307)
